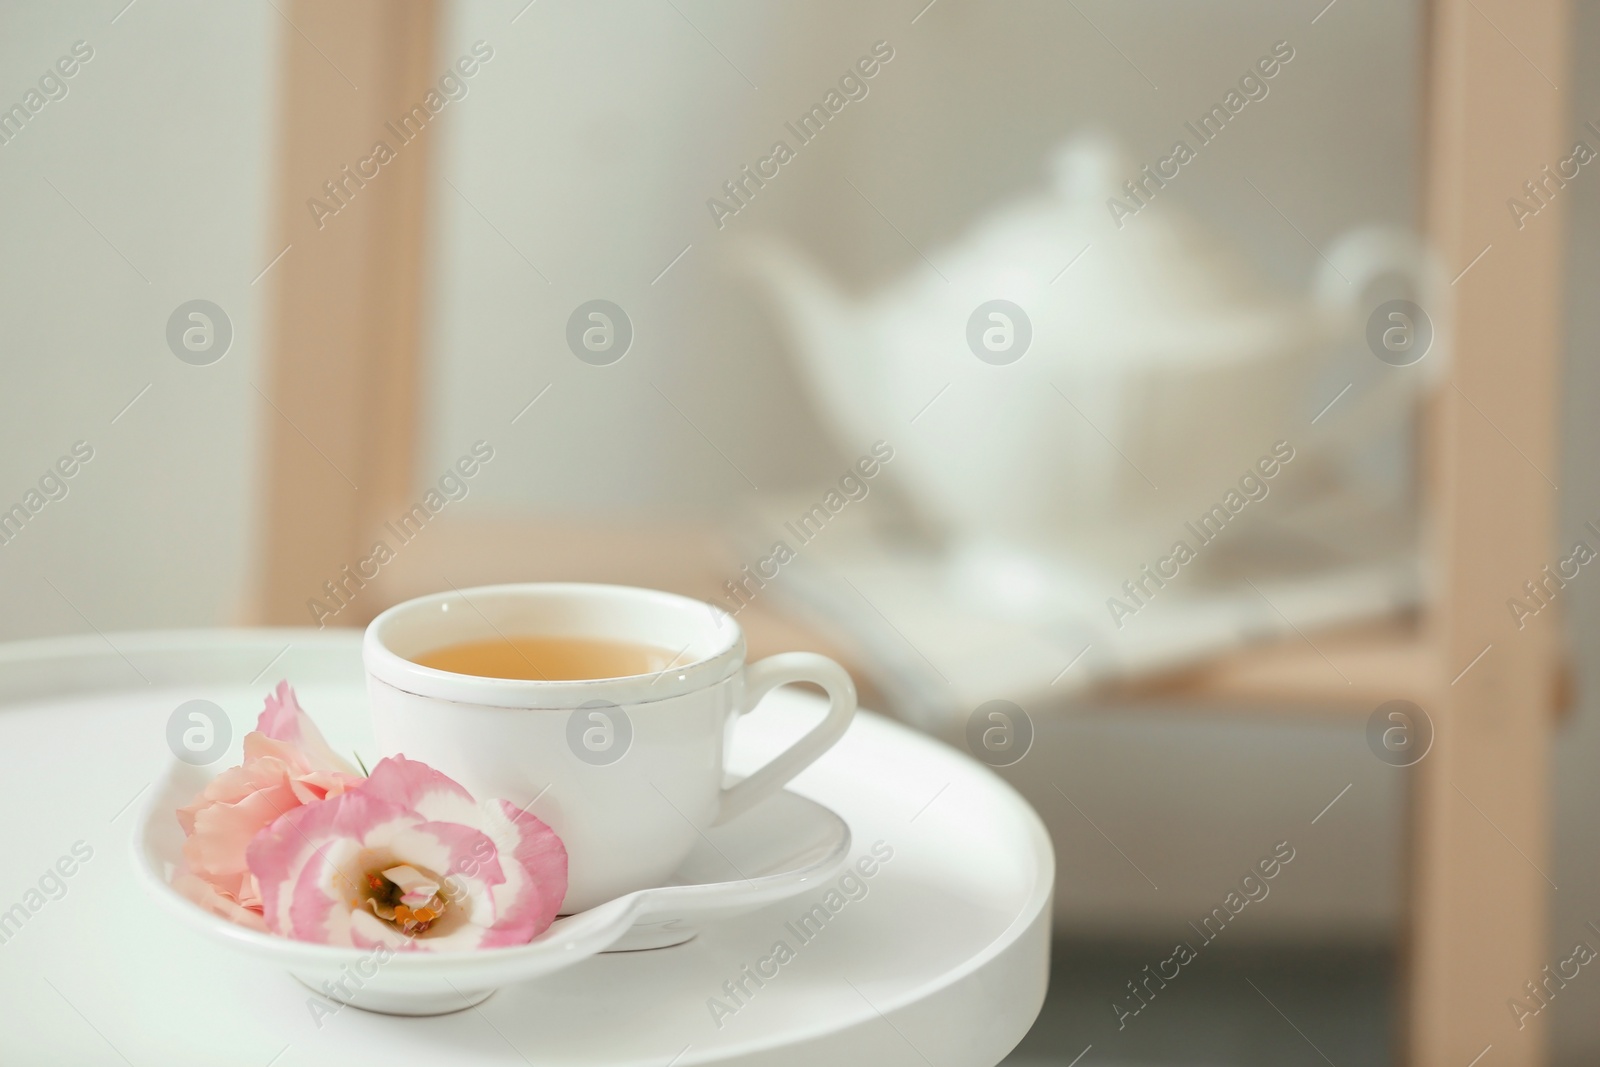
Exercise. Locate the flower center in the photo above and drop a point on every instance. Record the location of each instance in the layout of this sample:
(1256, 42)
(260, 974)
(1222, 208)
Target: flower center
(407, 898)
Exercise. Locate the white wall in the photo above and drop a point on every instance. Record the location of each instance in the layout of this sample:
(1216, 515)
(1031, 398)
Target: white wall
(162, 144)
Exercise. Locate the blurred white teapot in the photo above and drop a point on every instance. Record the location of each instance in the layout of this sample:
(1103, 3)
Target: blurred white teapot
(1060, 369)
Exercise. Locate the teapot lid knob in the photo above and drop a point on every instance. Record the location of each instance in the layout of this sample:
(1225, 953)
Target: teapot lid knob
(1087, 166)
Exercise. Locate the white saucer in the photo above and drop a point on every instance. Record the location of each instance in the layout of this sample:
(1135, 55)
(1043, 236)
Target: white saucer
(776, 850)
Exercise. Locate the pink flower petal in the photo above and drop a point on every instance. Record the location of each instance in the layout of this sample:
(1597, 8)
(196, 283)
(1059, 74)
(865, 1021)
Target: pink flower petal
(238, 803)
(284, 720)
(232, 786)
(205, 894)
(223, 831)
(316, 894)
(540, 858)
(417, 786)
(471, 855)
(321, 850)
(279, 854)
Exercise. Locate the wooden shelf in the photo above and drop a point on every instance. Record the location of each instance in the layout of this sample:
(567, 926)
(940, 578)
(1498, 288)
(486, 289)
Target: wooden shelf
(1353, 669)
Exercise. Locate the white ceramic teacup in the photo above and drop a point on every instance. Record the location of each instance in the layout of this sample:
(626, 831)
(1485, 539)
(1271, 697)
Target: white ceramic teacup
(627, 771)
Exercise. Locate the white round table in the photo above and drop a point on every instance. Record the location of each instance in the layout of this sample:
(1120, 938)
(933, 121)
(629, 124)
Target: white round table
(942, 962)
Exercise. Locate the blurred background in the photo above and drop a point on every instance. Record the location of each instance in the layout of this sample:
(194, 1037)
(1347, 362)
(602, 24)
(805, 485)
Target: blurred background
(979, 269)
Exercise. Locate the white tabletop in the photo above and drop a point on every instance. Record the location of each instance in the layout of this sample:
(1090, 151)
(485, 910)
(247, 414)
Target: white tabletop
(942, 962)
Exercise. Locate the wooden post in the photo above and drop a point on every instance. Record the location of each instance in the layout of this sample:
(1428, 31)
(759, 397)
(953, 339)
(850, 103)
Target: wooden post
(1480, 863)
(338, 391)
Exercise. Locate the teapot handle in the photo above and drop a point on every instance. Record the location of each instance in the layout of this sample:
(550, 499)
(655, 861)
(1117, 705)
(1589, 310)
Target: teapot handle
(1352, 265)
(1361, 256)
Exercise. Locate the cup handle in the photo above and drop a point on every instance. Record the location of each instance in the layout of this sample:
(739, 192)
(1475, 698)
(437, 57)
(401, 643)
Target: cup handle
(763, 677)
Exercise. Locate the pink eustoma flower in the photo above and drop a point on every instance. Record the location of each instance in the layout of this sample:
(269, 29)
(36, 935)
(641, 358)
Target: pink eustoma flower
(410, 860)
(287, 764)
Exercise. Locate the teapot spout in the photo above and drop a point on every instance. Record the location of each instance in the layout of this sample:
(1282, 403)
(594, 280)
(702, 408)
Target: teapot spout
(814, 310)
(826, 329)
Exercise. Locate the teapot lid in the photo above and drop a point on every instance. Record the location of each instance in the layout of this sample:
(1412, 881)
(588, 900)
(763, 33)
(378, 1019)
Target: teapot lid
(1135, 280)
